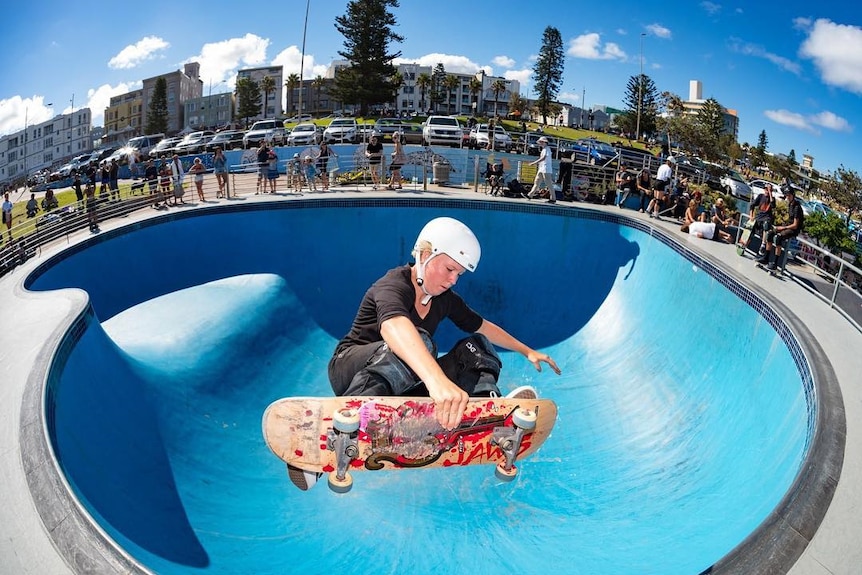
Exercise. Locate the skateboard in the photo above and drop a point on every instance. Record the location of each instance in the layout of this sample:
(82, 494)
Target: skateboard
(339, 435)
(776, 273)
(743, 238)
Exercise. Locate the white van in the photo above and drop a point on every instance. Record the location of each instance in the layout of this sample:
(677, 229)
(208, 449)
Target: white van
(143, 144)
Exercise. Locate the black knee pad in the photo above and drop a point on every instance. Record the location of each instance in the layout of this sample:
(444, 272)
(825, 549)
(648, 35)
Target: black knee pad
(469, 359)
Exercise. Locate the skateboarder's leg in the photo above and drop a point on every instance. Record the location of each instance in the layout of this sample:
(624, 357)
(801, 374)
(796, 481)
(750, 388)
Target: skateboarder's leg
(376, 370)
(474, 365)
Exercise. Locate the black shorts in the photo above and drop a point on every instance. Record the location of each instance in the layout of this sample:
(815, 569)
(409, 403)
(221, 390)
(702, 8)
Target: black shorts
(659, 185)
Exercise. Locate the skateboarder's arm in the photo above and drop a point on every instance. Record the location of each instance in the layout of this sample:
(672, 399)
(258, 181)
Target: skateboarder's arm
(405, 342)
(501, 338)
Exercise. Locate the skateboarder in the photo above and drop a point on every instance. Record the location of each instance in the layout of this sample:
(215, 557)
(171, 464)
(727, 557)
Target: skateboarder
(780, 235)
(389, 349)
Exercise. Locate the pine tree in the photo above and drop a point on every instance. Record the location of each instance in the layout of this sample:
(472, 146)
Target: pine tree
(368, 28)
(548, 71)
(157, 114)
(248, 99)
(641, 88)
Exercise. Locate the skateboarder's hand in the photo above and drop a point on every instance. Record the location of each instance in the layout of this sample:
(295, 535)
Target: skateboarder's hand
(537, 358)
(450, 401)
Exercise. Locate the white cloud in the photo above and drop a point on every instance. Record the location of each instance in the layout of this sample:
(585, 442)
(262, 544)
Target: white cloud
(659, 31)
(836, 50)
(452, 63)
(16, 110)
(622, 31)
(144, 49)
(589, 47)
(524, 77)
(809, 123)
(503, 62)
(290, 58)
(711, 8)
(757, 51)
(220, 60)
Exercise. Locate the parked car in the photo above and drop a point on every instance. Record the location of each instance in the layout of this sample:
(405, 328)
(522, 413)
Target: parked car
(305, 135)
(194, 143)
(442, 130)
(385, 127)
(227, 140)
(531, 143)
(271, 131)
(341, 130)
(592, 151)
(759, 186)
(297, 119)
(478, 138)
(165, 147)
(143, 144)
(411, 133)
(728, 180)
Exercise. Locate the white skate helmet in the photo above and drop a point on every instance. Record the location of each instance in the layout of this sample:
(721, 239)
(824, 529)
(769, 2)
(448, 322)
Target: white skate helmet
(446, 236)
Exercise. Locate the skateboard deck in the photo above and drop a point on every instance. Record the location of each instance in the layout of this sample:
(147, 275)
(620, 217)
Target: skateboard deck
(776, 273)
(337, 435)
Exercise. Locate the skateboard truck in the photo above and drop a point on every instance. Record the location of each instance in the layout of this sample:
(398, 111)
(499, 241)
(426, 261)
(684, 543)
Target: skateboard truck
(343, 440)
(508, 439)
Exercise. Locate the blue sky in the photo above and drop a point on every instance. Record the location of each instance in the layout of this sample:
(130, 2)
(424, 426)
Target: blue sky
(792, 68)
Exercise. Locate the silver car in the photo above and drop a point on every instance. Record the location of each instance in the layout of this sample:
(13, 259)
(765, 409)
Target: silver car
(305, 135)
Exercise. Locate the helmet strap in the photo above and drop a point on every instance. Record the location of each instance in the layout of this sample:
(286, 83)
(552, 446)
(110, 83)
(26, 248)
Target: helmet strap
(420, 277)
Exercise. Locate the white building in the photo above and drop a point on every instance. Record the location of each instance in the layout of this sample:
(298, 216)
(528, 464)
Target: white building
(44, 145)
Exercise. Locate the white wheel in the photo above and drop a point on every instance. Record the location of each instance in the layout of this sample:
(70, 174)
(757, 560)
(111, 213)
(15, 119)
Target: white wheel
(340, 485)
(346, 420)
(525, 418)
(504, 475)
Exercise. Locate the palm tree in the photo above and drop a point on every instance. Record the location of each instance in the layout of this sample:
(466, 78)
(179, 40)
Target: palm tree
(292, 83)
(450, 83)
(268, 86)
(397, 83)
(498, 87)
(318, 83)
(424, 82)
(475, 86)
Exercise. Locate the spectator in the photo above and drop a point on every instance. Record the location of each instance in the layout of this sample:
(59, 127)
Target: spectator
(644, 184)
(220, 169)
(178, 173)
(92, 216)
(662, 180)
(399, 158)
(780, 235)
(544, 173)
(310, 173)
(79, 193)
(32, 206)
(694, 212)
(262, 166)
(625, 184)
(272, 171)
(151, 175)
(719, 217)
(322, 158)
(198, 170)
(114, 179)
(763, 215)
(707, 230)
(374, 155)
(7, 214)
(105, 181)
(294, 173)
(165, 179)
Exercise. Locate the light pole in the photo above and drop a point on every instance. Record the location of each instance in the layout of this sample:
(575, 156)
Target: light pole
(640, 89)
(302, 58)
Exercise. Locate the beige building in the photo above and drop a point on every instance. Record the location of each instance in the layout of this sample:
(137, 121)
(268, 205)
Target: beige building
(183, 85)
(272, 107)
(124, 118)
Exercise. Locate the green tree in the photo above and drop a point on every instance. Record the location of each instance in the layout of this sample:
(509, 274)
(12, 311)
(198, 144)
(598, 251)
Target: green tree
(398, 80)
(641, 92)
(548, 71)
(830, 231)
(517, 103)
(451, 83)
(791, 159)
(157, 114)
(267, 86)
(475, 86)
(368, 29)
(423, 82)
(711, 120)
(845, 188)
(317, 84)
(758, 153)
(248, 99)
(499, 87)
(292, 83)
(438, 82)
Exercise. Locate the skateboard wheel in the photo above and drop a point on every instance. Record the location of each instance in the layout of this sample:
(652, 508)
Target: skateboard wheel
(340, 485)
(346, 420)
(525, 418)
(504, 475)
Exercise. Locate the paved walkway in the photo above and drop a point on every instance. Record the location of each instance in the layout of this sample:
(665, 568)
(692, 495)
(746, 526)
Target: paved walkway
(28, 320)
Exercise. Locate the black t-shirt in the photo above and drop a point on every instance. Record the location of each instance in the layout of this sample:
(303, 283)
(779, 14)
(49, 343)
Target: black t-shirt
(393, 295)
(796, 213)
(627, 181)
(374, 150)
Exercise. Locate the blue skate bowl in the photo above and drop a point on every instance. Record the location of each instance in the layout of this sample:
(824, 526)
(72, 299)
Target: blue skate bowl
(688, 411)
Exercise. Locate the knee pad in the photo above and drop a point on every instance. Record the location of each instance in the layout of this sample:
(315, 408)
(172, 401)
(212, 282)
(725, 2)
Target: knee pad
(477, 354)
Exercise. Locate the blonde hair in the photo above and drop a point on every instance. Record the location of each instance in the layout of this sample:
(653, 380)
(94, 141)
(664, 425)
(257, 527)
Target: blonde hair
(421, 246)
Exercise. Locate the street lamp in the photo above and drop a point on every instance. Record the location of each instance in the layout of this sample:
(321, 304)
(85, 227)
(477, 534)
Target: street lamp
(640, 89)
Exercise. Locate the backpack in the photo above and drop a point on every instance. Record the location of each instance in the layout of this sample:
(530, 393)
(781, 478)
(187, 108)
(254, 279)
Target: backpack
(515, 189)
